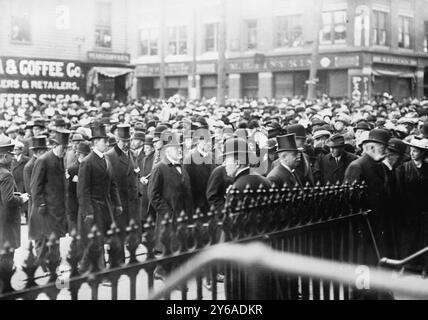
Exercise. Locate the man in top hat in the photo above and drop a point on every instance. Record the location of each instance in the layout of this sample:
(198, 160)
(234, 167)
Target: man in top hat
(48, 189)
(72, 176)
(158, 142)
(412, 182)
(137, 146)
(71, 154)
(333, 165)
(169, 188)
(369, 169)
(97, 192)
(17, 169)
(10, 206)
(199, 164)
(285, 171)
(146, 169)
(303, 166)
(126, 178)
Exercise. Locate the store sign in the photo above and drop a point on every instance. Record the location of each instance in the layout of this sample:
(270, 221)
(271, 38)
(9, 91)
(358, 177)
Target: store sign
(360, 88)
(206, 68)
(395, 60)
(24, 80)
(177, 68)
(109, 57)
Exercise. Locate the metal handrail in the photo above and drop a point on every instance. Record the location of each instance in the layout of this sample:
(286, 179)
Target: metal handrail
(401, 263)
(259, 255)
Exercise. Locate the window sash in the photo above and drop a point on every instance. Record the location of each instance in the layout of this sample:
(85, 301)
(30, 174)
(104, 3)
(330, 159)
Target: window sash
(211, 35)
(404, 36)
(290, 31)
(334, 28)
(380, 28)
(177, 40)
(149, 42)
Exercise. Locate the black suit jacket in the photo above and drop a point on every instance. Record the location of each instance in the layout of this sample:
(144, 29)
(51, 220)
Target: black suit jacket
(280, 176)
(18, 172)
(331, 172)
(218, 183)
(72, 201)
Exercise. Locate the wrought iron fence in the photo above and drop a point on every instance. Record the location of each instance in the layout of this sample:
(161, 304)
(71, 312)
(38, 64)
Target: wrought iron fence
(326, 222)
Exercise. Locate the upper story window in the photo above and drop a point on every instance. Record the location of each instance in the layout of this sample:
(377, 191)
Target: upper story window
(103, 25)
(177, 40)
(380, 31)
(404, 32)
(289, 31)
(20, 28)
(149, 42)
(333, 27)
(211, 37)
(251, 31)
(426, 36)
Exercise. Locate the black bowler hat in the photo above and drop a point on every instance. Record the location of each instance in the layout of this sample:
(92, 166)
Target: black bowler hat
(62, 137)
(7, 149)
(287, 143)
(83, 148)
(362, 125)
(378, 136)
(397, 145)
(336, 141)
(148, 140)
(60, 122)
(298, 130)
(39, 143)
(98, 131)
(39, 123)
(123, 132)
(138, 135)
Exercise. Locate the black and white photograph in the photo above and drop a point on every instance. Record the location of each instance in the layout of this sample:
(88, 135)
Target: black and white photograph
(230, 151)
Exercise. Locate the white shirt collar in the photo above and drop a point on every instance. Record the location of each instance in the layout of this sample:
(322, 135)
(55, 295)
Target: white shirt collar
(18, 158)
(287, 167)
(98, 153)
(170, 160)
(387, 164)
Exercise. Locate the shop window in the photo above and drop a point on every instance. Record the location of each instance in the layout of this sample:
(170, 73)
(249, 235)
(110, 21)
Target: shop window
(289, 31)
(380, 28)
(21, 30)
(333, 29)
(211, 37)
(149, 42)
(404, 32)
(250, 85)
(103, 25)
(251, 31)
(177, 40)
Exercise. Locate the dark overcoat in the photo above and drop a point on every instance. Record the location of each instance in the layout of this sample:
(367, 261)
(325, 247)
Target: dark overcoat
(97, 194)
(333, 172)
(146, 169)
(48, 186)
(18, 172)
(138, 168)
(72, 201)
(10, 217)
(218, 183)
(281, 175)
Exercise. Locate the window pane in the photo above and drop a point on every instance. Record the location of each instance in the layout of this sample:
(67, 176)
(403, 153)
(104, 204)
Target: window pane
(21, 30)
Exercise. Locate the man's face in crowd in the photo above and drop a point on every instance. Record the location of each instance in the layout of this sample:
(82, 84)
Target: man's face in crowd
(290, 158)
(377, 150)
(174, 153)
(37, 131)
(18, 151)
(393, 158)
(320, 142)
(7, 159)
(100, 144)
(61, 149)
(124, 144)
(204, 146)
(416, 154)
(337, 152)
(148, 149)
(136, 144)
(13, 135)
(231, 166)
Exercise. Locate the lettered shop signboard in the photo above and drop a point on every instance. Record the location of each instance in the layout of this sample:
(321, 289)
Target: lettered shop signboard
(36, 81)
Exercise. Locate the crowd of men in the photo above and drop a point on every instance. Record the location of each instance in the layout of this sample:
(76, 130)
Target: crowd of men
(76, 164)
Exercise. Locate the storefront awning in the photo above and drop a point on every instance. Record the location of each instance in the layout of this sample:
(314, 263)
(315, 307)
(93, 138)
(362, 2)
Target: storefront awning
(112, 72)
(393, 73)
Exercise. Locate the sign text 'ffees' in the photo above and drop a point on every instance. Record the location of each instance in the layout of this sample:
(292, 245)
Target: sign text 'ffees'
(24, 80)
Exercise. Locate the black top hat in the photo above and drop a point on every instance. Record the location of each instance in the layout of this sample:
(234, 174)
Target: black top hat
(297, 129)
(7, 149)
(123, 132)
(148, 140)
(39, 123)
(235, 146)
(98, 131)
(397, 145)
(379, 136)
(62, 137)
(83, 148)
(39, 143)
(336, 141)
(138, 135)
(287, 143)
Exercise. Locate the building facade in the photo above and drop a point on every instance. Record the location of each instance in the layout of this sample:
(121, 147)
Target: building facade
(62, 49)
(366, 47)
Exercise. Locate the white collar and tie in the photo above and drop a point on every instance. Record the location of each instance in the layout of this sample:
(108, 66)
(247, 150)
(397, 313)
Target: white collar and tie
(98, 153)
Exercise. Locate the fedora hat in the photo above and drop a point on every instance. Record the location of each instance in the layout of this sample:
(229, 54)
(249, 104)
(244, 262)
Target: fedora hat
(148, 140)
(7, 149)
(336, 141)
(287, 143)
(298, 130)
(397, 145)
(420, 143)
(83, 148)
(39, 143)
(77, 137)
(362, 125)
(378, 136)
(98, 131)
(62, 137)
(138, 135)
(39, 123)
(321, 133)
